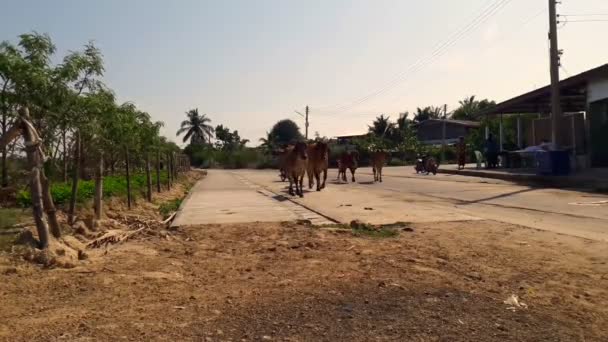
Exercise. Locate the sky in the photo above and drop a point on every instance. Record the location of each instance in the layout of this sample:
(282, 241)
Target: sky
(247, 64)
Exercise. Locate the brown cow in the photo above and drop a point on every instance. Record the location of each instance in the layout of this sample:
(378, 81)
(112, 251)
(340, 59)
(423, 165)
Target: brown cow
(280, 154)
(318, 160)
(378, 160)
(295, 167)
(348, 160)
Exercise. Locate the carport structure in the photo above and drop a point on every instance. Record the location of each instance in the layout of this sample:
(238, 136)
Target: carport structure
(582, 129)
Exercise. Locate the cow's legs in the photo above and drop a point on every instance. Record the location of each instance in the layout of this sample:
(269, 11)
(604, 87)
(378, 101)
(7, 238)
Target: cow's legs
(380, 174)
(318, 178)
(291, 181)
(324, 178)
(301, 194)
(353, 172)
(311, 180)
(374, 170)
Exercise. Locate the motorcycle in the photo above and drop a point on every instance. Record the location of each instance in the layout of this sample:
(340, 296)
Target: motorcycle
(425, 164)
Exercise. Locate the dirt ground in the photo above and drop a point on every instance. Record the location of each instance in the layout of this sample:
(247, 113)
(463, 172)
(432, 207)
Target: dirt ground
(255, 282)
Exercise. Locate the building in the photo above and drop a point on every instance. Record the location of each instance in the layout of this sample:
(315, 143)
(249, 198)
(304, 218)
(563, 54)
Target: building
(582, 130)
(348, 139)
(430, 132)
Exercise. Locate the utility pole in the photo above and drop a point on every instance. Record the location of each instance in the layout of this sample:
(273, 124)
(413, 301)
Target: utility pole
(443, 129)
(556, 109)
(306, 124)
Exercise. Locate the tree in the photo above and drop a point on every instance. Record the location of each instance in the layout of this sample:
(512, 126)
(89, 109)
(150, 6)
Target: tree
(470, 108)
(285, 132)
(382, 127)
(196, 127)
(427, 113)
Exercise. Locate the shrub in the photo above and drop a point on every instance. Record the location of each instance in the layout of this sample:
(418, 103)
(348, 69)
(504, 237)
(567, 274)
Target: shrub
(113, 186)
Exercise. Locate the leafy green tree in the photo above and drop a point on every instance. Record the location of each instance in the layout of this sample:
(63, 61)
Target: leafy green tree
(382, 127)
(197, 127)
(285, 132)
(427, 113)
(470, 108)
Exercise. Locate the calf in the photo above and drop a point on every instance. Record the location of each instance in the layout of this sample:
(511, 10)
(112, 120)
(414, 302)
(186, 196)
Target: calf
(348, 160)
(280, 154)
(378, 160)
(318, 160)
(295, 163)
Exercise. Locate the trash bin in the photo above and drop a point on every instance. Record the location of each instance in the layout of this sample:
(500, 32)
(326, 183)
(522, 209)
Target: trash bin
(543, 163)
(553, 163)
(561, 162)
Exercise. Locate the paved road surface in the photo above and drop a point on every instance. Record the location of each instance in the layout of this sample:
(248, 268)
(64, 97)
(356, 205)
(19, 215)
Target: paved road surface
(227, 197)
(405, 196)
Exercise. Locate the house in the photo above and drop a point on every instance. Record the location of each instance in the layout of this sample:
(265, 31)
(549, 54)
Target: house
(430, 132)
(583, 127)
(349, 138)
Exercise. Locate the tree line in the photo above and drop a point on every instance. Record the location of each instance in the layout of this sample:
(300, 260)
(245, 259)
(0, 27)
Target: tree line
(71, 127)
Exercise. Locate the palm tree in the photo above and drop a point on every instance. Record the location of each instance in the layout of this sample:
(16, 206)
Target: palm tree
(197, 127)
(426, 113)
(382, 126)
(403, 122)
(268, 143)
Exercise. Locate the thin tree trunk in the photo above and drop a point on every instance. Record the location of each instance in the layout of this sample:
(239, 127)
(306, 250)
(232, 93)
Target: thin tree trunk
(35, 186)
(128, 175)
(83, 159)
(99, 189)
(168, 164)
(173, 167)
(75, 173)
(158, 188)
(4, 166)
(65, 157)
(113, 166)
(148, 177)
(49, 205)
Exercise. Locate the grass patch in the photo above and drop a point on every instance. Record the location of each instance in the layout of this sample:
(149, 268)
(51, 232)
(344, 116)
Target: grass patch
(360, 229)
(113, 186)
(8, 218)
(170, 207)
(375, 232)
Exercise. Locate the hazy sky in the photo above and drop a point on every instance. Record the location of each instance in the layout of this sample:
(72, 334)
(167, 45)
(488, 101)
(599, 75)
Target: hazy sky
(250, 63)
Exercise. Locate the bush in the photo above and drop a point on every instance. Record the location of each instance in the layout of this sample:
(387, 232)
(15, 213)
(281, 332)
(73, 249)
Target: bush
(113, 186)
(169, 207)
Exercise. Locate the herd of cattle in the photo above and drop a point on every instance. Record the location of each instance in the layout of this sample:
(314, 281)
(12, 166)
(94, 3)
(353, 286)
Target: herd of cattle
(313, 160)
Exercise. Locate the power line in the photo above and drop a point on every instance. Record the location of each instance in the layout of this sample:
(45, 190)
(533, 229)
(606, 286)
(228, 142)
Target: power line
(520, 26)
(584, 15)
(438, 52)
(586, 21)
(437, 47)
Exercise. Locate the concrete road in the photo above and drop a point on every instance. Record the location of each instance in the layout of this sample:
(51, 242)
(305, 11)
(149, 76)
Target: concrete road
(226, 197)
(405, 196)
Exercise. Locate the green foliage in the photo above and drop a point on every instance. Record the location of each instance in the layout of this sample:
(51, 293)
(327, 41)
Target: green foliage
(113, 186)
(427, 113)
(285, 132)
(167, 208)
(470, 108)
(360, 229)
(196, 127)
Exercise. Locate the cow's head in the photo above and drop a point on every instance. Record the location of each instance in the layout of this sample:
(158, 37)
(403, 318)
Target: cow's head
(301, 149)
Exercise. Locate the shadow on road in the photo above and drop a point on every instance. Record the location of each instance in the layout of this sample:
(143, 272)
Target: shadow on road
(500, 196)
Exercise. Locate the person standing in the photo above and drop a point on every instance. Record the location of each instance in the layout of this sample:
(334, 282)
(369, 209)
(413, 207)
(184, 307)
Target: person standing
(462, 153)
(491, 150)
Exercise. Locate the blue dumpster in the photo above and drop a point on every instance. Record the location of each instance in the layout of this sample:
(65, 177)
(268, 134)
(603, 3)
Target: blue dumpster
(553, 163)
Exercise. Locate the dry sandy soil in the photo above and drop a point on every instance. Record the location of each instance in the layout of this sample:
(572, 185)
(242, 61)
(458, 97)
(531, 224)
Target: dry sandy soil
(251, 282)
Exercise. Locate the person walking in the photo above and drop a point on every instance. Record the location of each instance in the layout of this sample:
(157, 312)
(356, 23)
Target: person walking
(462, 153)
